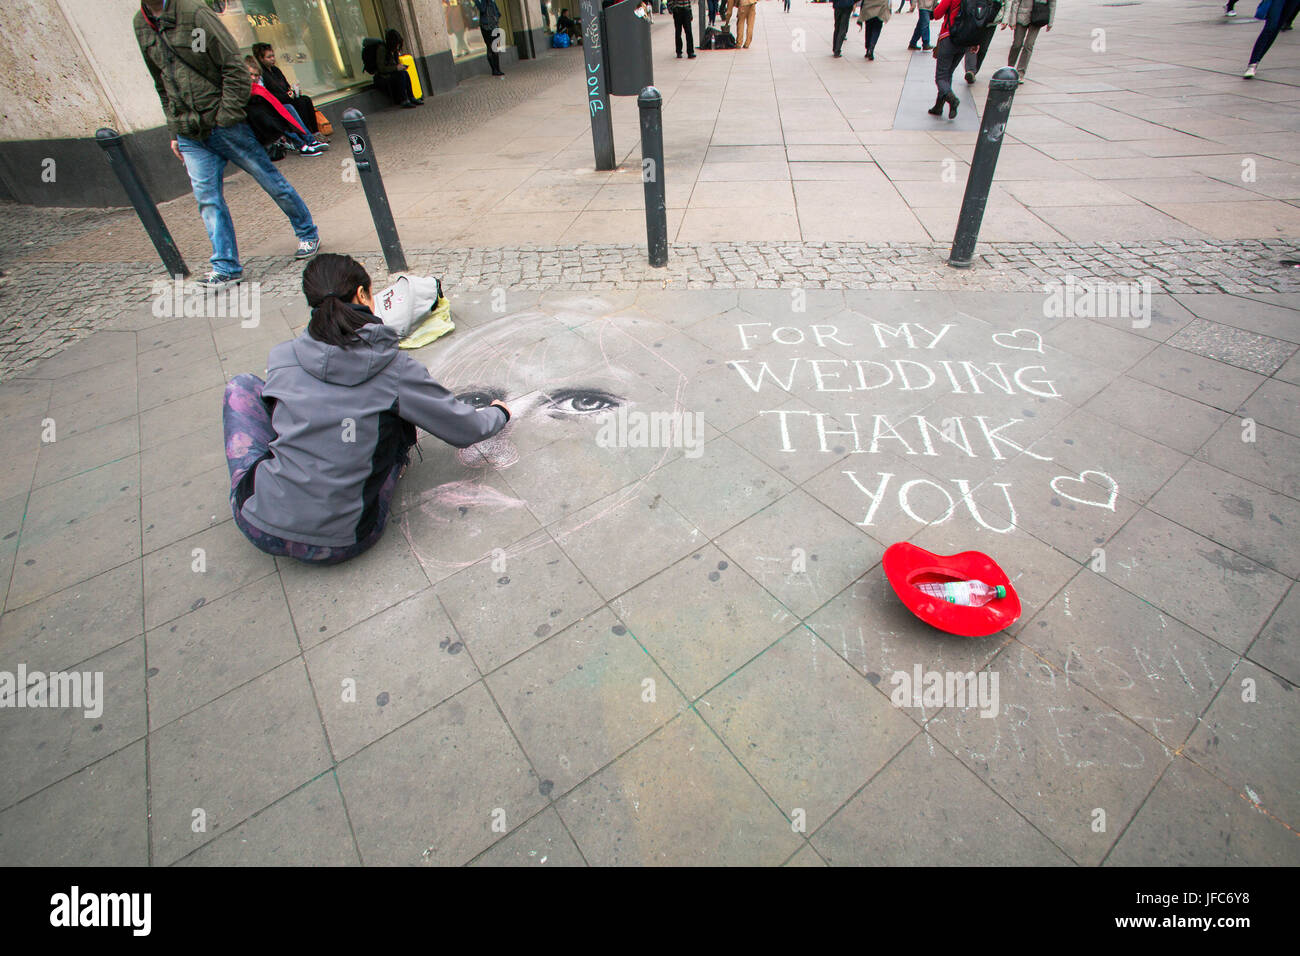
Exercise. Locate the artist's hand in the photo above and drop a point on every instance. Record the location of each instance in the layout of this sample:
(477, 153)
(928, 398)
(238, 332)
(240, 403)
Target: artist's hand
(503, 405)
(176, 148)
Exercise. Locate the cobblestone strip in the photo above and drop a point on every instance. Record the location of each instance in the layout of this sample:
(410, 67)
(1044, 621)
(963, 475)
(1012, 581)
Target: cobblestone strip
(47, 306)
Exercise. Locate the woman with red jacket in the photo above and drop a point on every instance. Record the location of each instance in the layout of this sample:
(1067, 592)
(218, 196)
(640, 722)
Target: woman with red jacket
(947, 57)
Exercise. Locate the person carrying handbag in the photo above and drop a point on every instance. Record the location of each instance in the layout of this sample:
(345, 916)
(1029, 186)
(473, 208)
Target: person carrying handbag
(1027, 17)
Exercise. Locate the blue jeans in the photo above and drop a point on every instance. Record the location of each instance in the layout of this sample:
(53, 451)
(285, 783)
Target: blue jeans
(922, 31)
(302, 139)
(206, 161)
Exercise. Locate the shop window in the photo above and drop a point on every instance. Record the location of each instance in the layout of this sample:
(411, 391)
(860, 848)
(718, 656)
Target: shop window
(317, 42)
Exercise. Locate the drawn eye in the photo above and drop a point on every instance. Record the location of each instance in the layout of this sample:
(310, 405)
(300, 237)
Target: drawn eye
(479, 399)
(581, 401)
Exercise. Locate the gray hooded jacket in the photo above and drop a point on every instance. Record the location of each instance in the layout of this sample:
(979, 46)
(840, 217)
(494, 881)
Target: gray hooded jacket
(343, 417)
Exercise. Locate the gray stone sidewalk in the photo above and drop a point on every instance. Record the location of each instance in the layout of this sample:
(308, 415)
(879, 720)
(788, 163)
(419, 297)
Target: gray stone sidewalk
(565, 653)
(61, 304)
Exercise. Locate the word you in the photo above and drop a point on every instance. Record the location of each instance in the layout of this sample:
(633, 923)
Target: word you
(946, 689)
(75, 908)
(632, 429)
(77, 690)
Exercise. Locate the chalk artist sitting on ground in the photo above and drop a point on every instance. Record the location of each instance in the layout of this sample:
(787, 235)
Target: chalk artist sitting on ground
(315, 451)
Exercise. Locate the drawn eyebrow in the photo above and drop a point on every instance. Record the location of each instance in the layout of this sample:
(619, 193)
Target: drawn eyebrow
(490, 392)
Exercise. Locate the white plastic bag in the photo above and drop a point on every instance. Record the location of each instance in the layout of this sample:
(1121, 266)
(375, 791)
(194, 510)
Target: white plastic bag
(405, 303)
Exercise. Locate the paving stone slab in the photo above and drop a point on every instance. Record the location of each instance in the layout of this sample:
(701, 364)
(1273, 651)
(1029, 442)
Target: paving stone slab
(813, 756)
(1272, 459)
(96, 817)
(582, 698)
(309, 827)
(1159, 673)
(1230, 743)
(1228, 830)
(1252, 520)
(1154, 558)
(202, 655)
(387, 670)
(1276, 646)
(954, 819)
(702, 594)
(1056, 754)
(100, 711)
(231, 758)
(442, 788)
(542, 841)
(678, 799)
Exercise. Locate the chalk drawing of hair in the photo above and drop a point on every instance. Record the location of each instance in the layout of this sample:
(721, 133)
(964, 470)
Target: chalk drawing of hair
(562, 372)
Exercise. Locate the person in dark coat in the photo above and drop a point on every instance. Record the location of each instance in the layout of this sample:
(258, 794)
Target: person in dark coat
(278, 84)
(391, 75)
(489, 23)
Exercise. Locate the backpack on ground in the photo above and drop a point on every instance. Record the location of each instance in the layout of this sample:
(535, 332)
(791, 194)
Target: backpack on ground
(973, 16)
(724, 41)
(370, 54)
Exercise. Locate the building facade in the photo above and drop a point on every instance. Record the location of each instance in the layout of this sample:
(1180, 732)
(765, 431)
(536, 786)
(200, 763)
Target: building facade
(70, 67)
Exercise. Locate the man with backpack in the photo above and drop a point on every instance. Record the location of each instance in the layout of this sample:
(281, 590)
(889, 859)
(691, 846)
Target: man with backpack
(204, 88)
(489, 22)
(976, 60)
(962, 22)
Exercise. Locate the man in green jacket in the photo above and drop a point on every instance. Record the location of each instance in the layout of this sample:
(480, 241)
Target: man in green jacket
(204, 86)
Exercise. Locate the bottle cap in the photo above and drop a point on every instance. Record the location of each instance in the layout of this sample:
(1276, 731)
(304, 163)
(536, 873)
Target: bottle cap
(1001, 591)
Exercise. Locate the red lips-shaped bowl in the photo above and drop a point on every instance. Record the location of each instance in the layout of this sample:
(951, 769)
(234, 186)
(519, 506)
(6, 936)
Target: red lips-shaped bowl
(906, 566)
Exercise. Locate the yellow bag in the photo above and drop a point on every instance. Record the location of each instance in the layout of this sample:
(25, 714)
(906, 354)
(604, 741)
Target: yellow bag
(408, 61)
(434, 326)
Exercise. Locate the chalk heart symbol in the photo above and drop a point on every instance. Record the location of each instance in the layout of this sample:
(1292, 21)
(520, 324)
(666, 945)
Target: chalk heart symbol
(1005, 339)
(1083, 485)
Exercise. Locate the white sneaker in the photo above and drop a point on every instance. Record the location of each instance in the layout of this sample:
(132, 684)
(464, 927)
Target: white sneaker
(1228, 11)
(307, 249)
(1250, 72)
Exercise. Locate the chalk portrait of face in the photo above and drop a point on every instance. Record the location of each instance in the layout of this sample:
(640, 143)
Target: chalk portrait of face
(562, 375)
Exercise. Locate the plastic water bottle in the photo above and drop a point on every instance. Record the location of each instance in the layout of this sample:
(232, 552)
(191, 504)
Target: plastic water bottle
(965, 593)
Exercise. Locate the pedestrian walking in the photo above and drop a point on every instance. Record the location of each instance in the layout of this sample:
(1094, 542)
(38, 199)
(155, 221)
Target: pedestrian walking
(1027, 17)
(787, 6)
(921, 34)
(872, 17)
(843, 14)
(204, 95)
(745, 22)
(489, 21)
(1276, 15)
(947, 55)
(976, 60)
(682, 16)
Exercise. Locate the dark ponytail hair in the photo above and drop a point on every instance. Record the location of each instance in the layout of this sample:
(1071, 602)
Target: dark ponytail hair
(329, 282)
(393, 40)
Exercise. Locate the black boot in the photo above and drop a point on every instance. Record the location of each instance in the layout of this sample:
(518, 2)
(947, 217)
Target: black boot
(953, 103)
(937, 109)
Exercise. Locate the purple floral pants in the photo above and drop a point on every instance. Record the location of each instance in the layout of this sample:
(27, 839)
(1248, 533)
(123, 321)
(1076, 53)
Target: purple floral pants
(249, 433)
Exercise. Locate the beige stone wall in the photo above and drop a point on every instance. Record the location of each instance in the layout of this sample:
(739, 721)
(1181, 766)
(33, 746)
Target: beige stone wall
(68, 67)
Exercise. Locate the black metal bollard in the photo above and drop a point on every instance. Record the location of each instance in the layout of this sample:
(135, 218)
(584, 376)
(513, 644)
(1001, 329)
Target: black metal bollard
(1002, 88)
(651, 103)
(144, 205)
(354, 121)
(602, 126)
